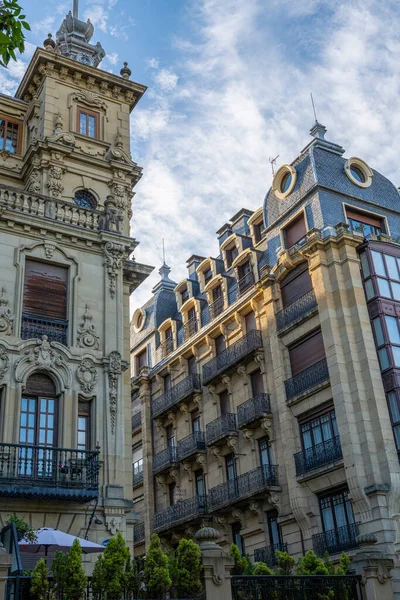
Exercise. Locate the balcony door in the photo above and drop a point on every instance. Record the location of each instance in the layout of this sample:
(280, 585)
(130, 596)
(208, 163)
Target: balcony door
(257, 384)
(337, 517)
(318, 431)
(274, 529)
(200, 488)
(265, 457)
(231, 475)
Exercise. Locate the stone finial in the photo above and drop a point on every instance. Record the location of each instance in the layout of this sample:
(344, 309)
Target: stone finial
(207, 538)
(49, 44)
(125, 71)
(366, 539)
(318, 131)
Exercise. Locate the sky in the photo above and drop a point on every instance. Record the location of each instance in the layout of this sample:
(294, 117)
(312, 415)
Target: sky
(229, 85)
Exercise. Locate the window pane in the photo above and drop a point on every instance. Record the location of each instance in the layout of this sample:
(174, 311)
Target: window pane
(81, 422)
(12, 137)
(384, 289)
(365, 265)
(2, 134)
(378, 331)
(393, 329)
(81, 438)
(396, 355)
(394, 407)
(383, 359)
(396, 290)
(92, 126)
(340, 515)
(391, 267)
(369, 289)
(378, 263)
(82, 123)
(396, 431)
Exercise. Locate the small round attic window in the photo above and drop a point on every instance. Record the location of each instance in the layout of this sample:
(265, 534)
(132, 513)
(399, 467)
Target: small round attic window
(138, 320)
(284, 181)
(358, 172)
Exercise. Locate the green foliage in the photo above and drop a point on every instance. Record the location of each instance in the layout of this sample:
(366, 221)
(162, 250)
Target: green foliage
(110, 574)
(188, 569)
(310, 564)
(40, 583)
(242, 565)
(262, 569)
(156, 572)
(98, 578)
(12, 24)
(285, 563)
(328, 563)
(133, 576)
(344, 562)
(24, 531)
(59, 570)
(76, 580)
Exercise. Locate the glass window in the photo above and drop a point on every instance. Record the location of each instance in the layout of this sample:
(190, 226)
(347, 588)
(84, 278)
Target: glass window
(383, 359)
(85, 199)
(396, 290)
(207, 275)
(237, 538)
(391, 265)
(319, 430)
(369, 289)
(275, 533)
(380, 340)
(9, 136)
(378, 263)
(365, 265)
(88, 123)
(286, 181)
(396, 355)
(394, 407)
(357, 174)
(384, 289)
(336, 511)
(393, 329)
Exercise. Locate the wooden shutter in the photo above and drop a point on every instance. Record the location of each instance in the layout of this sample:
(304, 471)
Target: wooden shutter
(224, 402)
(219, 344)
(364, 218)
(250, 322)
(296, 284)
(257, 385)
(45, 290)
(295, 231)
(39, 384)
(307, 353)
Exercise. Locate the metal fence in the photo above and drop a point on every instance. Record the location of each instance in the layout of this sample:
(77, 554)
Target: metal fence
(298, 309)
(267, 554)
(177, 393)
(253, 409)
(307, 379)
(318, 456)
(232, 355)
(292, 587)
(35, 326)
(336, 540)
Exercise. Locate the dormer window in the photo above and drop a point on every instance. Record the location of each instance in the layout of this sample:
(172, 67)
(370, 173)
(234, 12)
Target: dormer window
(207, 275)
(231, 254)
(88, 122)
(184, 294)
(257, 229)
(10, 135)
(364, 223)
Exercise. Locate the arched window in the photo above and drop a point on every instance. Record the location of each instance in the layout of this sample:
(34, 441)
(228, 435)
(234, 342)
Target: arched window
(85, 199)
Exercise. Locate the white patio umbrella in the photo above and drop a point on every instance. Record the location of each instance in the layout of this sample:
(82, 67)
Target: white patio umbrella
(48, 538)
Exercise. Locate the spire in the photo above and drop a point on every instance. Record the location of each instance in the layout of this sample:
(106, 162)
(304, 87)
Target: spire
(165, 282)
(74, 36)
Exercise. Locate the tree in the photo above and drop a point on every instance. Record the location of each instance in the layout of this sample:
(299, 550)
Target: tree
(285, 563)
(310, 564)
(188, 571)
(12, 24)
(24, 530)
(133, 576)
(156, 572)
(114, 560)
(76, 580)
(40, 583)
(262, 569)
(98, 578)
(59, 570)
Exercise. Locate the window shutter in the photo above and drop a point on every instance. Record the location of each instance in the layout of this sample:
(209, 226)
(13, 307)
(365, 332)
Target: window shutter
(257, 386)
(45, 290)
(364, 218)
(296, 284)
(295, 231)
(306, 353)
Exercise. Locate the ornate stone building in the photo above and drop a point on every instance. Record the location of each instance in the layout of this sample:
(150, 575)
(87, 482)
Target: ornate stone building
(66, 273)
(265, 390)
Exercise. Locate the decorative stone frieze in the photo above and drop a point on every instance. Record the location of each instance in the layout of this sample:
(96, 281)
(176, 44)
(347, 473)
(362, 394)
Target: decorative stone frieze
(87, 335)
(86, 374)
(6, 316)
(114, 371)
(113, 524)
(115, 255)
(4, 361)
(54, 183)
(45, 356)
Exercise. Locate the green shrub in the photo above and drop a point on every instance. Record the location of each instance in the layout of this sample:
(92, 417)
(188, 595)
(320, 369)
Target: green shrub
(310, 564)
(40, 583)
(76, 580)
(59, 570)
(98, 578)
(262, 569)
(188, 569)
(24, 530)
(285, 563)
(156, 572)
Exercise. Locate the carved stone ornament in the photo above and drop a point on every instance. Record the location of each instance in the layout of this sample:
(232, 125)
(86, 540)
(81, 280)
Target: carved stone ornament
(54, 181)
(119, 192)
(90, 98)
(43, 355)
(34, 181)
(114, 371)
(4, 361)
(6, 316)
(59, 135)
(113, 524)
(118, 153)
(115, 256)
(86, 374)
(256, 508)
(87, 336)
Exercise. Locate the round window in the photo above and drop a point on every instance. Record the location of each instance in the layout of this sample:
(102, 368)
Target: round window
(286, 181)
(139, 321)
(357, 173)
(85, 199)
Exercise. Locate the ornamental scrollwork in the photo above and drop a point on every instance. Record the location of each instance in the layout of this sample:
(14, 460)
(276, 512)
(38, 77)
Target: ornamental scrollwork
(90, 98)
(6, 316)
(86, 374)
(87, 335)
(43, 356)
(114, 371)
(59, 135)
(115, 256)
(54, 181)
(4, 361)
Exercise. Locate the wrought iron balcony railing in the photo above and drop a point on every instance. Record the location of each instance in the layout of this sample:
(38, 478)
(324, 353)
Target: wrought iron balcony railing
(317, 456)
(137, 475)
(183, 510)
(295, 311)
(307, 379)
(190, 445)
(336, 540)
(179, 392)
(136, 420)
(216, 308)
(267, 555)
(296, 587)
(220, 428)
(232, 355)
(138, 532)
(166, 459)
(28, 471)
(245, 282)
(246, 485)
(190, 328)
(253, 410)
(35, 326)
(167, 346)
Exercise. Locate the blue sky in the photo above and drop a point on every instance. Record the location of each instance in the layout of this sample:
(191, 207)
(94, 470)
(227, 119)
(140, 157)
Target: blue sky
(229, 84)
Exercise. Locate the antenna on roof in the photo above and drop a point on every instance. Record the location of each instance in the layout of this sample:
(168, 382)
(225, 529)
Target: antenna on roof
(273, 163)
(163, 250)
(313, 106)
(75, 9)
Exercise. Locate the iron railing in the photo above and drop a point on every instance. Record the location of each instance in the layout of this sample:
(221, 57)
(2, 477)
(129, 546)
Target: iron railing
(167, 346)
(220, 428)
(317, 456)
(336, 540)
(296, 587)
(245, 282)
(190, 445)
(137, 475)
(35, 326)
(243, 486)
(296, 310)
(267, 554)
(178, 393)
(254, 409)
(232, 355)
(165, 459)
(183, 510)
(136, 420)
(138, 532)
(217, 307)
(28, 471)
(190, 328)
(307, 379)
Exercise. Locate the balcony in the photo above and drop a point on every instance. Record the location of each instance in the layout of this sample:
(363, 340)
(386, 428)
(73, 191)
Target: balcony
(182, 511)
(216, 308)
(177, 394)
(191, 445)
(245, 283)
(267, 555)
(35, 326)
(39, 472)
(296, 311)
(137, 475)
(336, 540)
(318, 456)
(233, 355)
(167, 346)
(167, 459)
(220, 428)
(138, 532)
(242, 487)
(306, 380)
(190, 328)
(136, 420)
(250, 413)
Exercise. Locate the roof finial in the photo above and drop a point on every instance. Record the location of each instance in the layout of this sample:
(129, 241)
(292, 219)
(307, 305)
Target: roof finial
(75, 9)
(163, 250)
(313, 106)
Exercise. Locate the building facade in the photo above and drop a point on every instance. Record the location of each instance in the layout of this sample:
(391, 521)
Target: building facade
(66, 273)
(265, 390)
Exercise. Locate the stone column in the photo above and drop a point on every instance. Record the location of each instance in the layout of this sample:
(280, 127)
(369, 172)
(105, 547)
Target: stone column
(374, 568)
(217, 565)
(145, 397)
(5, 564)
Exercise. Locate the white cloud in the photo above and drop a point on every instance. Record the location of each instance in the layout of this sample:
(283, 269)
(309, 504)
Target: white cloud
(112, 57)
(166, 79)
